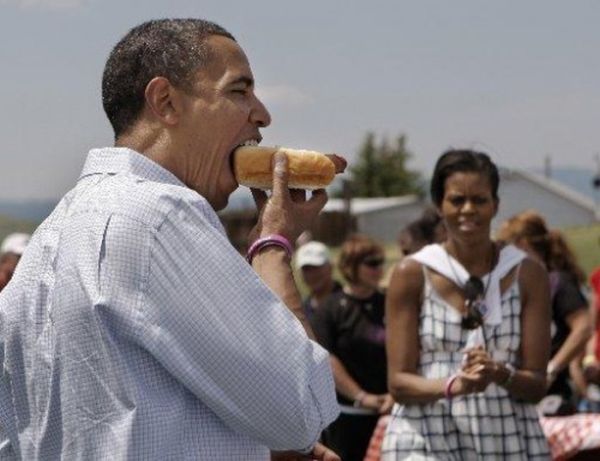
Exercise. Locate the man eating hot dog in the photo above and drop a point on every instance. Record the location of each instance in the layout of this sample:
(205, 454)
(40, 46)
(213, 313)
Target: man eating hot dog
(132, 329)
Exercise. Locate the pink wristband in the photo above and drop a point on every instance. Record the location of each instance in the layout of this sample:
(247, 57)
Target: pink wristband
(269, 240)
(448, 387)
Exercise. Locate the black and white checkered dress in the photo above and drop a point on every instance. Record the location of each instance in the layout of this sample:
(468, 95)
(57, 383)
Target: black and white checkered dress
(484, 426)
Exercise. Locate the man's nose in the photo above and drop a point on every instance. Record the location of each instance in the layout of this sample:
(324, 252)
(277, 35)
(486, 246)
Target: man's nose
(260, 115)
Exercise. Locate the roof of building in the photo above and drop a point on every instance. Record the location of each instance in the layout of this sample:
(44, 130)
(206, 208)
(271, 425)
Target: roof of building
(551, 186)
(362, 205)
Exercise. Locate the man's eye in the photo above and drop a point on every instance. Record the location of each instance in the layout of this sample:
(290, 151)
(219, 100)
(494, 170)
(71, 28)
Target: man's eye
(480, 200)
(240, 91)
(457, 200)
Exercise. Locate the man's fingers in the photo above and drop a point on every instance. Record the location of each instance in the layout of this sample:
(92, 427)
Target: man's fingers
(318, 198)
(298, 195)
(321, 452)
(260, 198)
(280, 175)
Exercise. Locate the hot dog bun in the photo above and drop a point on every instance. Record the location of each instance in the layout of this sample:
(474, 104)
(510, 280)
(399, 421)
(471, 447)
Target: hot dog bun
(307, 169)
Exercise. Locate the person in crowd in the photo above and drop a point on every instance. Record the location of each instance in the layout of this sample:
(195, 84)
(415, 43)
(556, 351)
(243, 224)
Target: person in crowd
(591, 360)
(571, 325)
(467, 331)
(11, 251)
(587, 371)
(132, 328)
(428, 228)
(313, 260)
(350, 325)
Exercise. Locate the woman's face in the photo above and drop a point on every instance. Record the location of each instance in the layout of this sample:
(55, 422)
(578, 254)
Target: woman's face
(468, 206)
(370, 270)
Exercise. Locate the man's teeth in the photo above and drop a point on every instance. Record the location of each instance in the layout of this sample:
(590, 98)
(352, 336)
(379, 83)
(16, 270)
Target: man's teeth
(250, 142)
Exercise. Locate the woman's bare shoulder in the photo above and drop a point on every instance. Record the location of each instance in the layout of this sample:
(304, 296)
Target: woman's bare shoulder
(407, 276)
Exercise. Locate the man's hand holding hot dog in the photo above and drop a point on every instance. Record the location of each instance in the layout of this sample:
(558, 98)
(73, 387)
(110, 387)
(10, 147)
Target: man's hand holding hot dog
(287, 213)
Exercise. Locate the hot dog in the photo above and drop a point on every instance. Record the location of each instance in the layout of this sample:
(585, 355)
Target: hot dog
(307, 169)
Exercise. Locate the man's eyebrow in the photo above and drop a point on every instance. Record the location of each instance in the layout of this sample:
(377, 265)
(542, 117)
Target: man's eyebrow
(244, 80)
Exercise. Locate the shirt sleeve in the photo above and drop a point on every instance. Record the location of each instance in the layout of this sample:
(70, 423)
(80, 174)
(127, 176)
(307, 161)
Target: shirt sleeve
(212, 323)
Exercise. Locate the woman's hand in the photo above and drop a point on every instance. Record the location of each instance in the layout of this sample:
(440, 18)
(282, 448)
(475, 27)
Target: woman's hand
(386, 406)
(477, 372)
(381, 403)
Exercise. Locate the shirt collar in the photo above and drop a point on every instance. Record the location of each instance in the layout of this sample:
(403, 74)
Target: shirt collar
(113, 160)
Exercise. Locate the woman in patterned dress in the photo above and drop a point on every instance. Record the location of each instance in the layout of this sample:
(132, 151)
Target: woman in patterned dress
(467, 332)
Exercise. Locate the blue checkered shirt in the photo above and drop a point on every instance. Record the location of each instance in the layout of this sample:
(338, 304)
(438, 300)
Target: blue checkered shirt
(132, 329)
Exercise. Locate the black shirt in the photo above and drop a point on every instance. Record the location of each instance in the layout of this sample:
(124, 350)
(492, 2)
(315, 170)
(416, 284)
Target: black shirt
(309, 309)
(352, 329)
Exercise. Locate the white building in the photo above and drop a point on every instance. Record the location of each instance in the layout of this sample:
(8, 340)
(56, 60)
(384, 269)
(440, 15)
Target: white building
(383, 218)
(560, 205)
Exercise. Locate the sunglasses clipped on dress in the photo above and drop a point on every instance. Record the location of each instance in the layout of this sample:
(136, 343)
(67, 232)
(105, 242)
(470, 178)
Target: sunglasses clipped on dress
(474, 292)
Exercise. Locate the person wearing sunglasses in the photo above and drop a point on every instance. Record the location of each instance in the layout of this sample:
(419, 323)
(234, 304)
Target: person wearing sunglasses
(350, 325)
(468, 332)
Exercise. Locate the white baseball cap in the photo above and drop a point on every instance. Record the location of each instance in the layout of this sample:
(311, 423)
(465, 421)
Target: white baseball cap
(15, 243)
(312, 254)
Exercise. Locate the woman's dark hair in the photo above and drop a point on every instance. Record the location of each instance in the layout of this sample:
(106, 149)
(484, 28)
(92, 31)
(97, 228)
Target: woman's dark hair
(428, 228)
(170, 48)
(462, 160)
(353, 252)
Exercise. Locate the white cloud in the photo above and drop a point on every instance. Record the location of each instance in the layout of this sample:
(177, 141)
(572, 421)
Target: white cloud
(51, 4)
(284, 95)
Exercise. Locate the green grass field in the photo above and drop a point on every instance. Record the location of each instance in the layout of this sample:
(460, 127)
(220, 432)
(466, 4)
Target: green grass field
(585, 242)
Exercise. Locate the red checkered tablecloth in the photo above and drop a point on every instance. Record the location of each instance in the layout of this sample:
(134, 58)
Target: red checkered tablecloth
(374, 450)
(567, 435)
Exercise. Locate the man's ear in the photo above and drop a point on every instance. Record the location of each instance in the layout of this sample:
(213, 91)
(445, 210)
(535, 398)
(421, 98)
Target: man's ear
(163, 100)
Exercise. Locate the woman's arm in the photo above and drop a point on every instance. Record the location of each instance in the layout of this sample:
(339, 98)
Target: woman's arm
(590, 366)
(344, 383)
(349, 388)
(577, 376)
(590, 347)
(402, 308)
(529, 382)
(574, 345)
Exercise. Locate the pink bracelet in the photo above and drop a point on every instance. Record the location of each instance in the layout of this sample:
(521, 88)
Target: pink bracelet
(269, 240)
(448, 387)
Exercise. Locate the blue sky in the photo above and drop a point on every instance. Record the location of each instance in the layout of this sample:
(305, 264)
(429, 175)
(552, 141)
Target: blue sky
(517, 79)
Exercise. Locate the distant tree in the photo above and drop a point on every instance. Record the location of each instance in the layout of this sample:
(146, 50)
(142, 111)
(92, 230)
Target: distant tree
(381, 170)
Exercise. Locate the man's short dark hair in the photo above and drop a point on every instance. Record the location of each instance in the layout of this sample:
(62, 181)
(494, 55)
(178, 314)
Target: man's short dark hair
(171, 48)
(463, 161)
